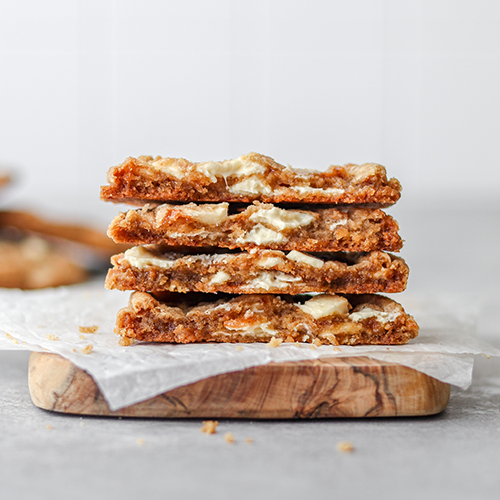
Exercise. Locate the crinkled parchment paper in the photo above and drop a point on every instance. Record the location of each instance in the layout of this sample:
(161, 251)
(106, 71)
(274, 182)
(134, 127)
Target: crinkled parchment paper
(50, 320)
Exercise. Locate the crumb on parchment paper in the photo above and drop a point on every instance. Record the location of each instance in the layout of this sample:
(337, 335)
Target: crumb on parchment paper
(49, 427)
(88, 329)
(10, 337)
(141, 441)
(209, 426)
(345, 447)
(50, 336)
(249, 440)
(239, 348)
(87, 349)
(125, 341)
(228, 437)
(274, 342)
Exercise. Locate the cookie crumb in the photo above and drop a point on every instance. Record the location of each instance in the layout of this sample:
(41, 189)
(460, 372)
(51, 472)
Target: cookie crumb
(249, 440)
(239, 348)
(82, 337)
(290, 339)
(50, 336)
(87, 349)
(124, 341)
(345, 447)
(317, 342)
(74, 350)
(337, 349)
(274, 342)
(312, 346)
(228, 437)
(88, 329)
(49, 427)
(140, 442)
(209, 426)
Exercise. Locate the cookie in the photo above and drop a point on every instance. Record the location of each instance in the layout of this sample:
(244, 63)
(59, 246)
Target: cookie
(259, 225)
(322, 319)
(156, 269)
(245, 179)
(28, 222)
(33, 263)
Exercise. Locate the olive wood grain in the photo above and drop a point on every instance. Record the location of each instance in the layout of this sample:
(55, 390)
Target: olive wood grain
(326, 388)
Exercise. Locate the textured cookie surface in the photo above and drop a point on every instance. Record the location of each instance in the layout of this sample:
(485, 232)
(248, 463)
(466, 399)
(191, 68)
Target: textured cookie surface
(155, 269)
(258, 225)
(322, 319)
(244, 179)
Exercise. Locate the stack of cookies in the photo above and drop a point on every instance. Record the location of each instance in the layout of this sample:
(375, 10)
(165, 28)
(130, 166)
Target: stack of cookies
(248, 250)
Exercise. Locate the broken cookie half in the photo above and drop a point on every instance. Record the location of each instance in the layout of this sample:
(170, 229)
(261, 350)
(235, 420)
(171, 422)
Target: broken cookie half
(245, 179)
(158, 269)
(320, 319)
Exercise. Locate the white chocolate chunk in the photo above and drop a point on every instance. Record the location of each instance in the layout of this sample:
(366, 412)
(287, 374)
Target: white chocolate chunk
(170, 167)
(363, 172)
(303, 258)
(261, 235)
(267, 280)
(269, 262)
(322, 306)
(140, 258)
(251, 185)
(207, 214)
(219, 278)
(335, 224)
(368, 312)
(239, 167)
(282, 219)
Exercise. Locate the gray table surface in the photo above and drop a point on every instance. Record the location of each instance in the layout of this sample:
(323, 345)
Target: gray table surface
(452, 455)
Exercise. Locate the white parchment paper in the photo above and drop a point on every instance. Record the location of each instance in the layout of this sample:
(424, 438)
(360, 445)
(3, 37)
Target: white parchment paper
(51, 319)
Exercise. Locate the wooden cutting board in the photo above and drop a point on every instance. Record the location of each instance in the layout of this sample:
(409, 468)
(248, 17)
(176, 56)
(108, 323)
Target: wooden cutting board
(326, 388)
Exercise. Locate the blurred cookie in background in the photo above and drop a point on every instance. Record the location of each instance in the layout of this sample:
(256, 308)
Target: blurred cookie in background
(38, 253)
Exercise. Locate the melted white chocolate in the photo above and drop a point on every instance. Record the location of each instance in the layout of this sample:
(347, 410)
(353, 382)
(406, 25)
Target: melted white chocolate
(303, 258)
(368, 312)
(322, 306)
(140, 258)
(280, 219)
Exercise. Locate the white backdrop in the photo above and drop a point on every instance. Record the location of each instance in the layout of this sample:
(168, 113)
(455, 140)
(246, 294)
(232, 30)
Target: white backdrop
(411, 84)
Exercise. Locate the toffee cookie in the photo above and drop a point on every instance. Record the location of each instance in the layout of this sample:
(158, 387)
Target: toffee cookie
(259, 225)
(247, 178)
(322, 319)
(155, 269)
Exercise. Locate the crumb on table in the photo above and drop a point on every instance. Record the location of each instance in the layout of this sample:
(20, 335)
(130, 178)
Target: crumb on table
(209, 426)
(124, 341)
(345, 447)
